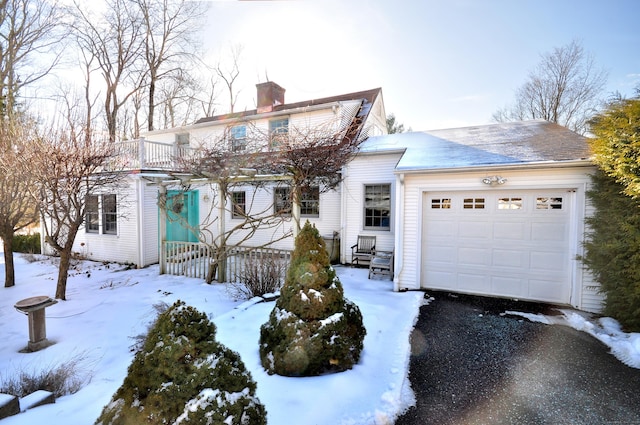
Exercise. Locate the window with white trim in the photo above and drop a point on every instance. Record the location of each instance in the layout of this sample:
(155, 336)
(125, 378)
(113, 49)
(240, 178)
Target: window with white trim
(377, 206)
(441, 203)
(238, 204)
(309, 202)
(109, 215)
(238, 135)
(278, 129)
(473, 203)
(92, 214)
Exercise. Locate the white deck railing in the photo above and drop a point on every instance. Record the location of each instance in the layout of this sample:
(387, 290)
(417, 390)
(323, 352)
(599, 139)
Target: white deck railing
(193, 259)
(145, 154)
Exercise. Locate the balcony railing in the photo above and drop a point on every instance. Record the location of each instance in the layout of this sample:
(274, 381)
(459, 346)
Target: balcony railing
(145, 154)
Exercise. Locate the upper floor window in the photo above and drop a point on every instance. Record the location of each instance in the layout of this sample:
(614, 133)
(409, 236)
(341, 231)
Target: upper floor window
(92, 215)
(277, 129)
(238, 135)
(182, 139)
(377, 206)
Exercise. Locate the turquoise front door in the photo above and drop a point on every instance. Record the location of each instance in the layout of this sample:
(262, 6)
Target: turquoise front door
(182, 215)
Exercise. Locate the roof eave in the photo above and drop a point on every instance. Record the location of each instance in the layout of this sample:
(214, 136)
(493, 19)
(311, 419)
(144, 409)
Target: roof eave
(586, 162)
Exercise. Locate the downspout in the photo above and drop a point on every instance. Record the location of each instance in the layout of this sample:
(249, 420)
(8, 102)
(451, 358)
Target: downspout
(343, 215)
(398, 258)
(140, 224)
(163, 229)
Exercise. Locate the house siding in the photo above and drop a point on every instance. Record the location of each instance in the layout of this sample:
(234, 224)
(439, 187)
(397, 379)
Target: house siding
(584, 294)
(366, 169)
(123, 246)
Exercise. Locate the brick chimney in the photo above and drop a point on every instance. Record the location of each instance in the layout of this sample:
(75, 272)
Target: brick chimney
(269, 95)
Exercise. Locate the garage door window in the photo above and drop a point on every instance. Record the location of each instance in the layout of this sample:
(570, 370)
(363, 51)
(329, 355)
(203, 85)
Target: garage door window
(473, 204)
(441, 203)
(510, 203)
(548, 203)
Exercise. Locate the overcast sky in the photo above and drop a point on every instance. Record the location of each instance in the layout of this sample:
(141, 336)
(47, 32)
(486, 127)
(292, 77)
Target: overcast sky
(440, 63)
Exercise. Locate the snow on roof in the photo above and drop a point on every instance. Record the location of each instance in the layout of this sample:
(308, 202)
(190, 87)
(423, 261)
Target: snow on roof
(519, 142)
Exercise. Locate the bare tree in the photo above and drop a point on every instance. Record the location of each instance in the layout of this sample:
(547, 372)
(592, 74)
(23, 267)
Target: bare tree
(564, 88)
(169, 41)
(68, 165)
(17, 209)
(314, 157)
(114, 39)
(229, 73)
(227, 170)
(29, 30)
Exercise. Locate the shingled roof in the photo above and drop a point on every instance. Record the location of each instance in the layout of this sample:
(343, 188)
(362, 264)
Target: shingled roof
(519, 142)
(369, 96)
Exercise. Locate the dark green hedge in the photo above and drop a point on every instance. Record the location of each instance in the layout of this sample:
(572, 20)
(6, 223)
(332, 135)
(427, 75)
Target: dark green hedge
(612, 249)
(29, 244)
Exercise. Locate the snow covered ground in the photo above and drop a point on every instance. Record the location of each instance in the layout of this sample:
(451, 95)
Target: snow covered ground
(107, 307)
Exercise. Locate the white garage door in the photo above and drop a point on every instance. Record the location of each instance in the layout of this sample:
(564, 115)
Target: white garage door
(502, 243)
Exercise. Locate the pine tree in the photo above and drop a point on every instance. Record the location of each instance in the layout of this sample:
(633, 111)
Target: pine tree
(312, 329)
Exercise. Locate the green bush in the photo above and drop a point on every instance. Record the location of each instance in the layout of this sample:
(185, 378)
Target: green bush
(612, 249)
(28, 244)
(312, 329)
(182, 375)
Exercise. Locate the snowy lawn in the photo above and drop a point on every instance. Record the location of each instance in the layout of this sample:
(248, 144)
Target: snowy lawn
(106, 308)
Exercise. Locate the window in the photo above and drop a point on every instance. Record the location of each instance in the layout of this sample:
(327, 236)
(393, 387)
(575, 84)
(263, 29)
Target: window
(377, 206)
(182, 139)
(282, 200)
(473, 203)
(309, 202)
(92, 216)
(278, 128)
(442, 203)
(510, 203)
(109, 215)
(238, 138)
(239, 204)
(549, 203)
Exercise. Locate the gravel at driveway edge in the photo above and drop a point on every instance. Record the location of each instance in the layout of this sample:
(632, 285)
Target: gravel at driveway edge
(472, 364)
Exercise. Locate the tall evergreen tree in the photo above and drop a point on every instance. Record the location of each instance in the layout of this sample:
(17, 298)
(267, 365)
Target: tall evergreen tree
(313, 328)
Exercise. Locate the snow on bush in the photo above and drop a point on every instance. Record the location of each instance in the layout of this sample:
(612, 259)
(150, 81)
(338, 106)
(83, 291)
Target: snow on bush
(183, 375)
(312, 329)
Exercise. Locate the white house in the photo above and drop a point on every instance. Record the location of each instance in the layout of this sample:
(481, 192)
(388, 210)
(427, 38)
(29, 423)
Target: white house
(493, 210)
(129, 227)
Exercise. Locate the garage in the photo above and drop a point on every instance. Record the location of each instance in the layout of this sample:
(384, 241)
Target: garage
(496, 242)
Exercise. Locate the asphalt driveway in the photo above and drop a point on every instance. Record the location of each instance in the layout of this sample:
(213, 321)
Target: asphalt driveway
(472, 365)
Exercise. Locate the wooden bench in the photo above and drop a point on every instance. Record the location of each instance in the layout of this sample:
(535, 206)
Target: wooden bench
(381, 264)
(363, 249)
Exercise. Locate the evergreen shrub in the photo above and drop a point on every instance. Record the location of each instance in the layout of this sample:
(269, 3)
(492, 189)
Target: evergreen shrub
(312, 329)
(183, 376)
(612, 249)
(28, 244)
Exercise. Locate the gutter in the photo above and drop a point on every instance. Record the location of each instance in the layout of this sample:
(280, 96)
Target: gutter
(528, 165)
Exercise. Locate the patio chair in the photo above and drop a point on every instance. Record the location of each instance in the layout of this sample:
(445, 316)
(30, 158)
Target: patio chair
(363, 249)
(381, 264)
